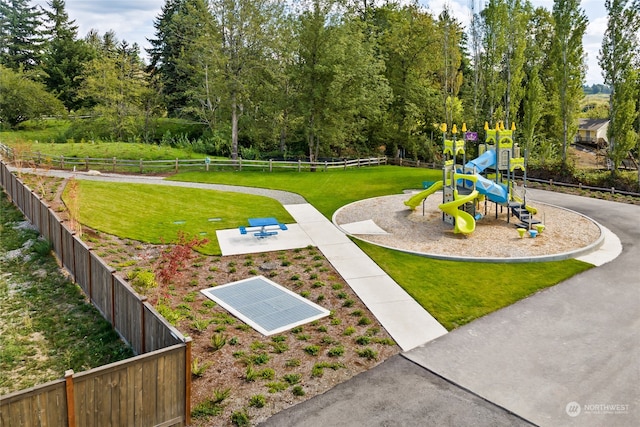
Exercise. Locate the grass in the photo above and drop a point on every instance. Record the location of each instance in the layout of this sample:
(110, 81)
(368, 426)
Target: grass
(155, 213)
(326, 191)
(456, 293)
(106, 150)
(46, 325)
(446, 289)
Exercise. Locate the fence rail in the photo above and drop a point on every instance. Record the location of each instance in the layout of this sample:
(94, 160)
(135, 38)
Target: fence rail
(166, 383)
(115, 164)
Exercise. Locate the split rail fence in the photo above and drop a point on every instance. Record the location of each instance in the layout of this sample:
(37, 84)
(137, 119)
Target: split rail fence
(150, 389)
(114, 164)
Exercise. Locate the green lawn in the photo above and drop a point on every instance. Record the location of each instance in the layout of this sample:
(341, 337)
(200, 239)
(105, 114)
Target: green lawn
(327, 191)
(456, 293)
(156, 213)
(106, 150)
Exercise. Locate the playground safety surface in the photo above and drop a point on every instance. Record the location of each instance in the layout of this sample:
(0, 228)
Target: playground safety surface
(386, 221)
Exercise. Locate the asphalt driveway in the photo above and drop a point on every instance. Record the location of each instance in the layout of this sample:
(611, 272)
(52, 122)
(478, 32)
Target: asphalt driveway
(568, 355)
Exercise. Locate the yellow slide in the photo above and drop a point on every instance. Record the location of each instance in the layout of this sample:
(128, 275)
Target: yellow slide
(416, 199)
(465, 223)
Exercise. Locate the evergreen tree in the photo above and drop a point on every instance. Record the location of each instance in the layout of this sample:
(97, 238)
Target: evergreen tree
(176, 35)
(619, 59)
(21, 40)
(570, 24)
(65, 56)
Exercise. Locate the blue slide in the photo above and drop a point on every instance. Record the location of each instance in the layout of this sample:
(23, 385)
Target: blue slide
(494, 192)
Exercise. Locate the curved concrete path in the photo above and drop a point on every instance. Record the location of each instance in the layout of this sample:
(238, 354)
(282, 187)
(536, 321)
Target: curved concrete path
(566, 356)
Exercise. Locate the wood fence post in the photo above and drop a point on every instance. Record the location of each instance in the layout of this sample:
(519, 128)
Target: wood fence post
(345, 164)
(86, 163)
(114, 164)
(141, 169)
(71, 402)
(113, 300)
(299, 165)
(187, 382)
(176, 165)
(143, 327)
(61, 162)
(89, 275)
(325, 165)
(270, 165)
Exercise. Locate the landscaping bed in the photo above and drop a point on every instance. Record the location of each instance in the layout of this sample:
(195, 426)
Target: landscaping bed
(238, 373)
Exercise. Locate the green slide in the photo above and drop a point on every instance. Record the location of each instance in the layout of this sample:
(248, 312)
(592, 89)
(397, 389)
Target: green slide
(465, 223)
(416, 199)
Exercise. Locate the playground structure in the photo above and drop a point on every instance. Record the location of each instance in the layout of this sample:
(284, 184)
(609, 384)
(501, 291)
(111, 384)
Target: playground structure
(489, 178)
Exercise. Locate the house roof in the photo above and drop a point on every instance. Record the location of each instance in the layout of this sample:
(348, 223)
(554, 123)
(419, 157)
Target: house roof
(592, 124)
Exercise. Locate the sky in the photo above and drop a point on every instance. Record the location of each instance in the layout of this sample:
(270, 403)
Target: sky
(132, 20)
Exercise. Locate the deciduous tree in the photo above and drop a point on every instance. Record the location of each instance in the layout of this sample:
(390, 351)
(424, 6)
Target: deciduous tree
(619, 61)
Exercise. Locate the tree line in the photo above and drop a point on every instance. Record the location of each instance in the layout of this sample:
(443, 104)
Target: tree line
(324, 77)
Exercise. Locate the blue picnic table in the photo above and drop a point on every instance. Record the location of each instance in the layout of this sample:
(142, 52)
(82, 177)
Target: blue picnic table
(263, 227)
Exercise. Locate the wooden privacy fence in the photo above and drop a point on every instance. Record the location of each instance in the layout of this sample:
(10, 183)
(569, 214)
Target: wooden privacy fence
(114, 164)
(155, 380)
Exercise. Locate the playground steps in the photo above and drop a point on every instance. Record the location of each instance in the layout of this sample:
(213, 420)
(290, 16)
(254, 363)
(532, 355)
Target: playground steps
(526, 218)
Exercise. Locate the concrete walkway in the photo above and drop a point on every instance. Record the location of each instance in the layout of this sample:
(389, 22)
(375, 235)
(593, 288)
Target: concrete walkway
(405, 320)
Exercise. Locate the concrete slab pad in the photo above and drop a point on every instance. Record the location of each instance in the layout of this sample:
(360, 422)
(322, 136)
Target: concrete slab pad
(363, 227)
(233, 243)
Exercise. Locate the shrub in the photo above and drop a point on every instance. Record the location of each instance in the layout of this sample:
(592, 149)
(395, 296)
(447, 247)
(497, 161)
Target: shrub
(206, 409)
(250, 374)
(349, 330)
(348, 303)
(176, 258)
(368, 353)
(267, 374)
(144, 280)
(276, 386)
(220, 395)
(312, 350)
(364, 320)
(292, 363)
(298, 391)
(197, 369)
(363, 340)
(257, 401)
(240, 418)
(336, 351)
(260, 359)
(292, 378)
(218, 341)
